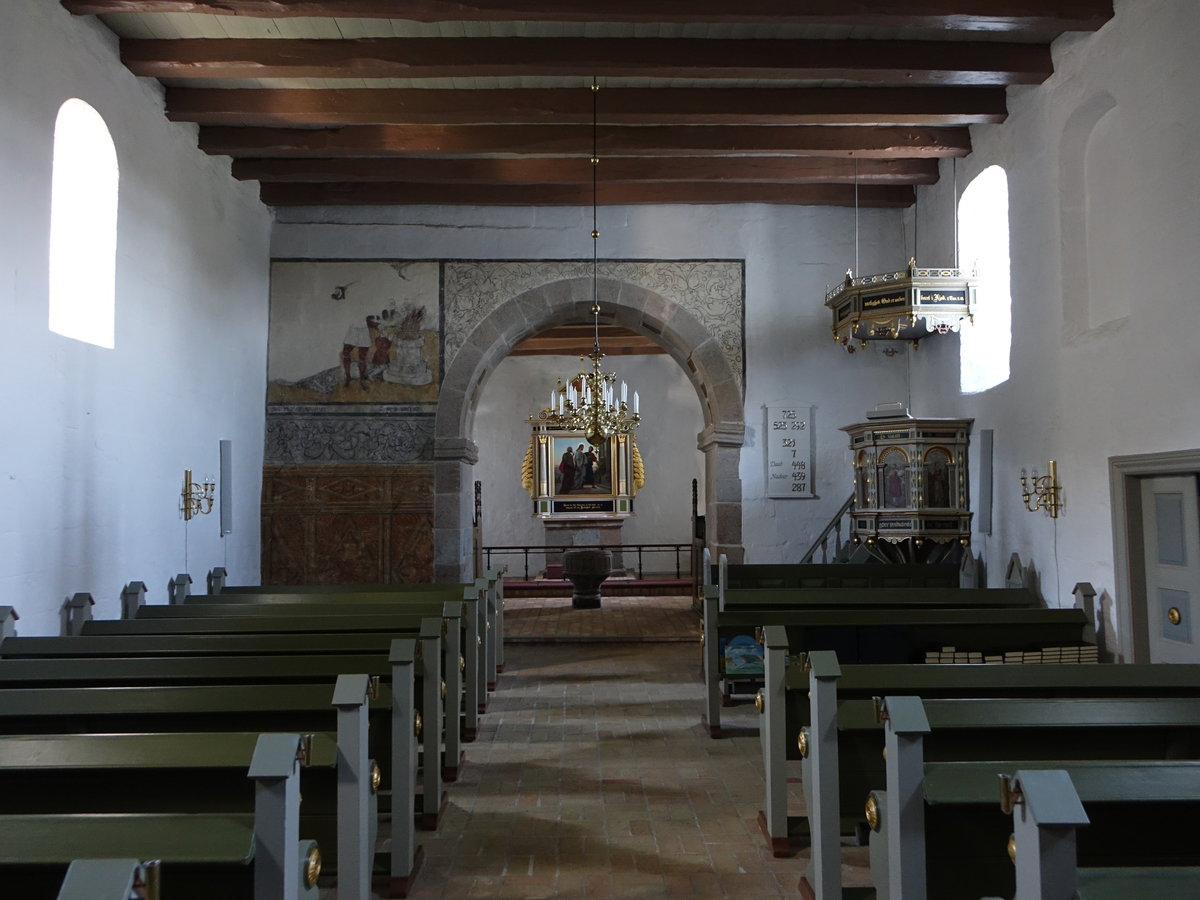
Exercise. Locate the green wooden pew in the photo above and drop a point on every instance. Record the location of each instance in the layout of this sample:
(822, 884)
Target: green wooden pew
(941, 839)
(489, 588)
(802, 704)
(886, 638)
(386, 623)
(62, 670)
(437, 623)
(1111, 819)
(304, 708)
(742, 621)
(260, 631)
(256, 854)
(190, 772)
(463, 647)
(734, 576)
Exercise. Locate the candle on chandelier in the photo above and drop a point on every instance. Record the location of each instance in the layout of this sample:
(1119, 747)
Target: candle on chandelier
(635, 402)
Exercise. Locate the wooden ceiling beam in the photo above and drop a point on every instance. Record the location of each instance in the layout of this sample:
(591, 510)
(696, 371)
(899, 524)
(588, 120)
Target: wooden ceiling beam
(866, 142)
(975, 15)
(576, 340)
(865, 62)
(578, 170)
(618, 106)
(626, 347)
(393, 194)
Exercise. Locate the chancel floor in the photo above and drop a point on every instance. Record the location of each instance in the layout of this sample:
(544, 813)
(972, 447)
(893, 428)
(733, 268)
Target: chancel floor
(654, 619)
(592, 777)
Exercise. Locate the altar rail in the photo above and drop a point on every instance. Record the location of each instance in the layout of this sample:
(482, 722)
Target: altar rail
(552, 555)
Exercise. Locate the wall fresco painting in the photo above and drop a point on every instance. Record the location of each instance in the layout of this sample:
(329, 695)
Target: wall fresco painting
(354, 332)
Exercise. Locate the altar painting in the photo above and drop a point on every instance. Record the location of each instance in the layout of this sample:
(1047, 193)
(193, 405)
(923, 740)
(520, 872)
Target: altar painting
(581, 468)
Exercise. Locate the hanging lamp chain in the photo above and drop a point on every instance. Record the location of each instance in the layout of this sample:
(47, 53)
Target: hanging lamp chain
(595, 229)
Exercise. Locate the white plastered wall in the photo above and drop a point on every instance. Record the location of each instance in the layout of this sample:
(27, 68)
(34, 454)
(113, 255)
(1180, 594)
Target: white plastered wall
(96, 441)
(791, 255)
(1105, 225)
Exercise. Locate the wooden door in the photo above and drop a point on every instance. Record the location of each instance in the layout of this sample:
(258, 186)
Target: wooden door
(1171, 523)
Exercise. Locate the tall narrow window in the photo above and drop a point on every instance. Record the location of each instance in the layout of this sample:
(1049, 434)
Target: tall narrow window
(83, 227)
(983, 246)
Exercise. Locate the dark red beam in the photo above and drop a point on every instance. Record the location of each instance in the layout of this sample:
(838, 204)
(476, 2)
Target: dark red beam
(578, 170)
(976, 15)
(576, 140)
(618, 106)
(865, 62)
(393, 194)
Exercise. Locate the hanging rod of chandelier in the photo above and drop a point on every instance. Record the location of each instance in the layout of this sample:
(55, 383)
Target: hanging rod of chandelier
(591, 401)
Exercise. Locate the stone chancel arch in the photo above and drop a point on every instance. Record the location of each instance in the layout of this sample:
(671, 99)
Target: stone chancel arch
(692, 309)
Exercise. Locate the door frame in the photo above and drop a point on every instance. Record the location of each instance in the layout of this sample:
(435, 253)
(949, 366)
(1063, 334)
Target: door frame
(1125, 474)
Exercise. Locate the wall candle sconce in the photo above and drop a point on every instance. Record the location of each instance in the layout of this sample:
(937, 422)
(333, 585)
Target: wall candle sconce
(1042, 490)
(196, 499)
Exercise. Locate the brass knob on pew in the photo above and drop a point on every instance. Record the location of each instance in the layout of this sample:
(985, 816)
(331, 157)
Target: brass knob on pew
(462, 664)
(376, 777)
(418, 723)
(802, 743)
(312, 866)
(153, 869)
(420, 651)
(758, 635)
(702, 639)
(478, 641)
(1174, 616)
(443, 690)
(1009, 796)
(1012, 848)
(445, 626)
(760, 702)
(872, 811)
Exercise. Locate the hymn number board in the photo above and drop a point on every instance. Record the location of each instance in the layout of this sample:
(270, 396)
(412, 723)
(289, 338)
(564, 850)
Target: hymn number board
(789, 451)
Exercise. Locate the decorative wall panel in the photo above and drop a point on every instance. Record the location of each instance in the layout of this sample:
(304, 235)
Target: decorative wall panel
(347, 524)
(712, 290)
(306, 434)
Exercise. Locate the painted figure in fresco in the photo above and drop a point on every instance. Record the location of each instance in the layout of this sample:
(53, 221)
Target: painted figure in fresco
(358, 342)
(580, 460)
(567, 468)
(589, 467)
(381, 348)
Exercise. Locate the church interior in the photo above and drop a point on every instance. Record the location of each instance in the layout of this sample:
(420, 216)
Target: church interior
(462, 299)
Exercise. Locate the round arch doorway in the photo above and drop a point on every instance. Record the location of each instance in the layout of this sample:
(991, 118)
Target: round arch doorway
(674, 328)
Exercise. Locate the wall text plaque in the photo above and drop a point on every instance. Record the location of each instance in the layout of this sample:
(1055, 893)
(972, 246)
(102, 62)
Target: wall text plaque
(789, 451)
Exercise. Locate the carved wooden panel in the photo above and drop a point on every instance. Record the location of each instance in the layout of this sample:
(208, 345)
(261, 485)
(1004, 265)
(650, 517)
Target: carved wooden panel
(347, 524)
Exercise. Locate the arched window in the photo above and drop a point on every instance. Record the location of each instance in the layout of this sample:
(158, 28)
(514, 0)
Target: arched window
(83, 227)
(983, 246)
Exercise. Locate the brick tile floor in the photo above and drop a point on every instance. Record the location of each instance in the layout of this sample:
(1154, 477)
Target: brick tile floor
(592, 776)
(539, 619)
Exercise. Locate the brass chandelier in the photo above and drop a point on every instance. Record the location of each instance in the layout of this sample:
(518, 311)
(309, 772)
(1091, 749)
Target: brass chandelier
(900, 306)
(591, 401)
